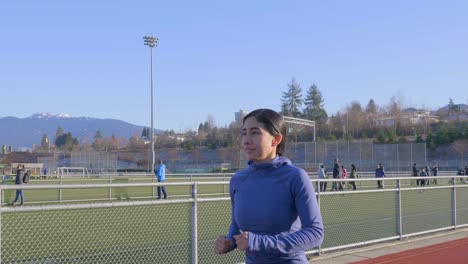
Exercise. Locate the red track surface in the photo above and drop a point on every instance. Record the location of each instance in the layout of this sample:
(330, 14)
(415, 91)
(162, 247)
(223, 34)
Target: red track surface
(452, 252)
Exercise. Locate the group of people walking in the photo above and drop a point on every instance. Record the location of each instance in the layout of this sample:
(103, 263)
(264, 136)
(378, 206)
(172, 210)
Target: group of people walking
(424, 172)
(339, 172)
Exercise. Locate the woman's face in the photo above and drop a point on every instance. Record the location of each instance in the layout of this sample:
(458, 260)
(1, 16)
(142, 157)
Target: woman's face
(258, 144)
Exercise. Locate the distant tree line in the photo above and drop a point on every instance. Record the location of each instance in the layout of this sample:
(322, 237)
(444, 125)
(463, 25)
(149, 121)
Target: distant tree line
(353, 122)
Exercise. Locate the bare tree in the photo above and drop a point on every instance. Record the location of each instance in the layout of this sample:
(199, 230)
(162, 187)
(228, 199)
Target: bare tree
(211, 122)
(196, 155)
(355, 118)
(136, 142)
(173, 155)
(460, 146)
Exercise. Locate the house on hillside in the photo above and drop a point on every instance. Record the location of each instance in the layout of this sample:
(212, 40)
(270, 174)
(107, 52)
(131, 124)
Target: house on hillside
(409, 116)
(453, 113)
(418, 116)
(457, 117)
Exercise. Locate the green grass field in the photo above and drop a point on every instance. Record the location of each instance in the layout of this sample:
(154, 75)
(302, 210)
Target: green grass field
(161, 233)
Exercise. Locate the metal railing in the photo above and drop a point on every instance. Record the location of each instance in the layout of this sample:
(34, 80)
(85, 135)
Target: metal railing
(183, 228)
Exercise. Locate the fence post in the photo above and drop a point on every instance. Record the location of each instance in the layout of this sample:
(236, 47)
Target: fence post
(425, 153)
(153, 175)
(60, 190)
(224, 185)
(319, 181)
(454, 203)
(110, 188)
(194, 224)
(399, 214)
(411, 152)
(398, 156)
(315, 151)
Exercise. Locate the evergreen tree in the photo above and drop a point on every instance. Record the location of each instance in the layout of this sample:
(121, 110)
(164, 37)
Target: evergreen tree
(371, 108)
(98, 135)
(144, 133)
(98, 141)
(452, 108)
(201, 128)
(313, 102)
(59, 132)
(66, 141)
(292, 100)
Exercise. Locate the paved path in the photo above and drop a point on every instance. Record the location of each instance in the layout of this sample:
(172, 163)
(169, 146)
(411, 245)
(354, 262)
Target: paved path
(448, 238)
(453, 252)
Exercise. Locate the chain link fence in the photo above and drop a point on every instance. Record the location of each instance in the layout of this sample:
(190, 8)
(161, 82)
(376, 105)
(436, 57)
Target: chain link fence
(364, 153)
(182, 229)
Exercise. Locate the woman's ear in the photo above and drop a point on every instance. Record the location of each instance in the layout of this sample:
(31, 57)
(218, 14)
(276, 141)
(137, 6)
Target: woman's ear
(277, 140)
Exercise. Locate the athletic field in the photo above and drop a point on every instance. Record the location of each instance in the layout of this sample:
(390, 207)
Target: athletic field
(161, 231)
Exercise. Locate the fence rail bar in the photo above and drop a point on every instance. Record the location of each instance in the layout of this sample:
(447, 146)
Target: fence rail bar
(324, 250)
(91, 205)
(429, 231)
(194, 198)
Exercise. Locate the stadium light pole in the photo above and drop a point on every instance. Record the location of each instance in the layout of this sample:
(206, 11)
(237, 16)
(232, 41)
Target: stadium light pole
(151, 42)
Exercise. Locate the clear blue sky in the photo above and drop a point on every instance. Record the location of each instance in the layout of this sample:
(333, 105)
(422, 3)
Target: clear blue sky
(87, 58)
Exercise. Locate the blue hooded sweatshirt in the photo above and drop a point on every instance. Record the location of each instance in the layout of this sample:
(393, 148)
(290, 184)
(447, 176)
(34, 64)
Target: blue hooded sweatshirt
(275, 202)
(161, 172)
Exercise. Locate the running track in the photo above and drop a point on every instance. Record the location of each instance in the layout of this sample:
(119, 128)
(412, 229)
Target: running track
(452, 252)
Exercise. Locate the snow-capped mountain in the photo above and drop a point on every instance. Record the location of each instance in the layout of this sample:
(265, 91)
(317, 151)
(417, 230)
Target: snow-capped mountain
(26, 132)
(49, 115)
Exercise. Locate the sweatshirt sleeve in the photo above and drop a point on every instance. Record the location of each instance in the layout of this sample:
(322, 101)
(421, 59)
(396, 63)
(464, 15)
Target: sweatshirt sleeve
(233, 228)
(311, 233)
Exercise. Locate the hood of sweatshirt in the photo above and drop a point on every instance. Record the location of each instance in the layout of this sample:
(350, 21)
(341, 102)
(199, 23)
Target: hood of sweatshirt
(275, 163)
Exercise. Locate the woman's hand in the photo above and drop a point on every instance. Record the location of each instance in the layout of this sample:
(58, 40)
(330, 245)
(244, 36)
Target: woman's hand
(223, 245)
(242, 240)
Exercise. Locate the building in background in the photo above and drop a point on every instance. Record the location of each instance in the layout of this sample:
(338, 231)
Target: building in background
(240, 115)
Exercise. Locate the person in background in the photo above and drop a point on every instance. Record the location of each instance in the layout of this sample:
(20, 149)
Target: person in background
(326, 177)
(275, 215)
(344, 175)
(428, 174)
(435, 171)
(353, 175)
(461, 172)
(380, 173)
(466, 169)
(416, 174)
(321, 176)
(423, 173)
(20, 173)
(336, 185)
(161, 174)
